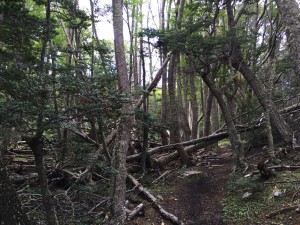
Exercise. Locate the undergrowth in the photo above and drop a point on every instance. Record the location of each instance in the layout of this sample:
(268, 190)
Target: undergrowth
(254, 209)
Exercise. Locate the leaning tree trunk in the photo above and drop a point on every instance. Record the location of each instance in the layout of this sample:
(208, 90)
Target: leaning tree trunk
(279, 122)
(237, 61)
(11, 212)
(124, 129)
(290, 12)
(233, 135)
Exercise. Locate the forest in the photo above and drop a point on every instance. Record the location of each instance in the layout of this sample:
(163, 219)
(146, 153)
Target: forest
(189, 114)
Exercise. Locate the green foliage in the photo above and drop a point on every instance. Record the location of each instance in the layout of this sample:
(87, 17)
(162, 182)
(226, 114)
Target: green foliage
(18, 31)
(149, 32)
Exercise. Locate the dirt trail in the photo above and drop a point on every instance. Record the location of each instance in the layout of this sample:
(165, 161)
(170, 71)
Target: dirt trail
(196, 201)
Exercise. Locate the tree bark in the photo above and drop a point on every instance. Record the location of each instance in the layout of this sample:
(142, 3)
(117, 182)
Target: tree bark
(174, 123)
(164, 98)
(145, 112)
(214, 116)
(207, 113)
(182, 90)
(36, 145)
(124, 131)
(193, 102)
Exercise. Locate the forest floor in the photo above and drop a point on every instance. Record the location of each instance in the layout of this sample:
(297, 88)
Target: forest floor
(208, 193)
(212, 195)
(195, 199)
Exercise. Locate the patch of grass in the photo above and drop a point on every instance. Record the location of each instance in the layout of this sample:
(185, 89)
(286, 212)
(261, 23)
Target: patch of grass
(254, 209)
(235, 209)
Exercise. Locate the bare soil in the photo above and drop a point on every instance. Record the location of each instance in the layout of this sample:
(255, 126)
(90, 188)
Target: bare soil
(195, 200)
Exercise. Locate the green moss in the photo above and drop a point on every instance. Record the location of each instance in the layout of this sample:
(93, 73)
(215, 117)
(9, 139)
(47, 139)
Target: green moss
(224, 143)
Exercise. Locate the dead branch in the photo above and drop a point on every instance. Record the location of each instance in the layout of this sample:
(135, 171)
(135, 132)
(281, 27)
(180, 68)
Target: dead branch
(99, 204)
(282, 182)
(277, 167)
(166, 173)
(152, 199)
(290, 108)
(135, 211)
(154, 82)
(281, 211)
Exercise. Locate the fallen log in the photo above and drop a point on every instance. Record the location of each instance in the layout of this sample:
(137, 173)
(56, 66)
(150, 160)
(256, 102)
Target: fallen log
(174, 155)
(23, 168)
(204, 141)
(19, 179)
(152, 199)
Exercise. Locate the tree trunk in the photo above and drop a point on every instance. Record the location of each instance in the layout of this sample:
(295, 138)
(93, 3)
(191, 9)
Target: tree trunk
(207, 113)
(124, 129)
(214, 116)
(145, 112)
(36, 145)
(174, 123)
(226, 111)
(194, 103)
(182, 103)
(164, 98)
(279, 122)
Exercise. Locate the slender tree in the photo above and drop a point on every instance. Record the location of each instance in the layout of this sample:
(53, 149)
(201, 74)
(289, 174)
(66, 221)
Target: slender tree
(124, 129)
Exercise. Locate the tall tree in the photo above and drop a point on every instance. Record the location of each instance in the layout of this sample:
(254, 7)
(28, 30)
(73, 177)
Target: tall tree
(164, 97)
(124, 129)
(173, 102)
(36, 142)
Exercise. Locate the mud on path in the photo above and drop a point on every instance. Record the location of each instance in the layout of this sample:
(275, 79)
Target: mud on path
(195, 200)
